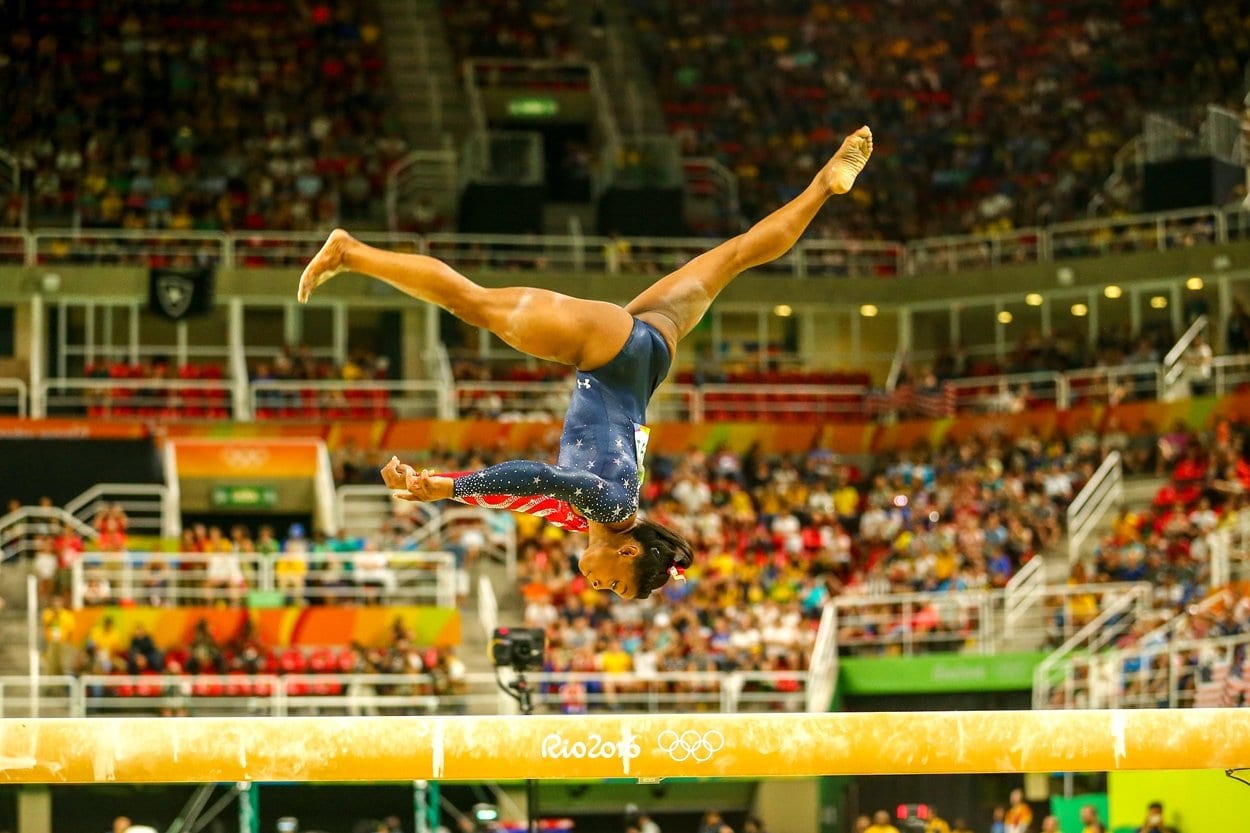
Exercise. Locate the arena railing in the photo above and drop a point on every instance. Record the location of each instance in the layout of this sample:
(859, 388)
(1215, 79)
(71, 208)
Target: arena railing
(200, 580)
(1144, 232)
(21, 529)
(1230, 374)
(977, 251)
(365, 509)
(1097, 497)
(1120, 611)
(17, 247)
(41, 696)
(1010, 392)
(150, 508)
(810, 258)
(916, 623)
(168, 399)
(1098, 385)
(1181, 674)
(973, 621)
(283, 399)
(373, 694)
(14, 397)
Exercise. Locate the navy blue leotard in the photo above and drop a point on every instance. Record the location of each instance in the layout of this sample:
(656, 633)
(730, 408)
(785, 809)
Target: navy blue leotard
(605, 437)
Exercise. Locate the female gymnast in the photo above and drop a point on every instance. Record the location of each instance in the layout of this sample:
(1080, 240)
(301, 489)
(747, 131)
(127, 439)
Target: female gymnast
(621, 356)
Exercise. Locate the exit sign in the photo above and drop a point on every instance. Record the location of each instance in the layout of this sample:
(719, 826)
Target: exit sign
(531, 107)
(244, 497)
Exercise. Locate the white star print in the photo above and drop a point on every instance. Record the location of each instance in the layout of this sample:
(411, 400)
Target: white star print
(601, 485)
(577, 492)
(616, 510)
(537, 480)
(579, 443)
(619, 442)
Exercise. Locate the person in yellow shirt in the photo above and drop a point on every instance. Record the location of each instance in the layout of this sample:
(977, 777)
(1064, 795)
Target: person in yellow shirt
(937, 824)
(58, 631)
(106, 644)
(881, 823)
(846, 500)
(1019, 815)
(615, 660)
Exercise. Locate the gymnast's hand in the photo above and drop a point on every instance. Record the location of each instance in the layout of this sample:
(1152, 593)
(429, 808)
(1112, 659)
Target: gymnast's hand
(395, 474)
(427, 486)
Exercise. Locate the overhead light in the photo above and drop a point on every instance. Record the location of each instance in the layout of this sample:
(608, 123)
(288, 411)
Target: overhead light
(1113, 292)
(1080, 310)
(1033, 299)
(1065, 276)
(1004, 317)
(1194, 284)
(1159, 302)
(783, 311)
(868, 310)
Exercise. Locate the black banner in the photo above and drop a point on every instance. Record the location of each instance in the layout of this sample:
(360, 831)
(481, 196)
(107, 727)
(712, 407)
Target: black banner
(180, 293)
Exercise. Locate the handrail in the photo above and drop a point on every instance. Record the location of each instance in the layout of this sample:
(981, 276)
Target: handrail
(13, 527)
(21, 393)
(360, 693)
(190, 579)
(1023, 592)
(1111, 621)
(236, 249)
(1087, 509)
(487, 606)
(1172, 365)
(823, 669)
(85, 505)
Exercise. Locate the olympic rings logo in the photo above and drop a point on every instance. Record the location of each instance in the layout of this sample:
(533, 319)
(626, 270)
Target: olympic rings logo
(245, 457)
(690, 745)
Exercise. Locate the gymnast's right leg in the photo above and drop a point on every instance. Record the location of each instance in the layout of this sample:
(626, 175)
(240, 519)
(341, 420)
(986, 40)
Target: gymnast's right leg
(538, 322)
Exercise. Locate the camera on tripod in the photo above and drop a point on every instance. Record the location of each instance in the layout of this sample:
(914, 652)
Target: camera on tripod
(520, 649)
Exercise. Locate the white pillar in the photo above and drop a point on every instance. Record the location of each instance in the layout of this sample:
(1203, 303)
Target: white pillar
(38, 354)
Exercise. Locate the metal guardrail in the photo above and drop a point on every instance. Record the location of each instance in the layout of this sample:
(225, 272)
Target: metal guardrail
(14, 397)
(149, 507)
(1184, 674)
(1104, 490)
(196, 579)
(371, 400)
(166, 399)
(810, 258)
(1118, 614)
(367, 694)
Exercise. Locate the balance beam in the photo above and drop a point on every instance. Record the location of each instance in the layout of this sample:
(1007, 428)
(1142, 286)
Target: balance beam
(645, 747)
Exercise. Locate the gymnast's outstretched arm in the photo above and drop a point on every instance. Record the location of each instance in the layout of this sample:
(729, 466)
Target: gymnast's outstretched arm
(599, 500)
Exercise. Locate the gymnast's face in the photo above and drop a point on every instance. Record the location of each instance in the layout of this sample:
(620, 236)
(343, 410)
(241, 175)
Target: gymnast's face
(609, 565)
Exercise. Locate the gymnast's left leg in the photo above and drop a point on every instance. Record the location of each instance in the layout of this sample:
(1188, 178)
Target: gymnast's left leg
(676, 302)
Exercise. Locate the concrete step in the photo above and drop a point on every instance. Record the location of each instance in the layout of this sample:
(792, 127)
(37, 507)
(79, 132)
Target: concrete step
(14, 653)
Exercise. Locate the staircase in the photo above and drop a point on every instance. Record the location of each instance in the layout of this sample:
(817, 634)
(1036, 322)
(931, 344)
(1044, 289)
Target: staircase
(432, 107)
(14, 658)
(604, 35)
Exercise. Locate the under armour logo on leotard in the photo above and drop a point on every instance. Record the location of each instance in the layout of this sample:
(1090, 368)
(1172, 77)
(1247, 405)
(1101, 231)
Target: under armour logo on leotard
(584, 384)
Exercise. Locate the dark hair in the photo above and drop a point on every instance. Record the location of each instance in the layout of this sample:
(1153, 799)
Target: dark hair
(662, 548)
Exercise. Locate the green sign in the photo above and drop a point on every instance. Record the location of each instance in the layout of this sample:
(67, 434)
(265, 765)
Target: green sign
(244, 497)
(935, 673)
(531, 107)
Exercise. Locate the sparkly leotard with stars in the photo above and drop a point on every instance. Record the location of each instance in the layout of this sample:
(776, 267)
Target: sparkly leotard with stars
(601, 449)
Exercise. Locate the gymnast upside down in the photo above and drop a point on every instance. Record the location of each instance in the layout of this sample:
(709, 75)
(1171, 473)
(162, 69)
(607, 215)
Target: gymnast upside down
(621, 356)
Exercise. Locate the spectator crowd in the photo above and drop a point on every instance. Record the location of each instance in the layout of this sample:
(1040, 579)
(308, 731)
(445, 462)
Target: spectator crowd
(209, 115)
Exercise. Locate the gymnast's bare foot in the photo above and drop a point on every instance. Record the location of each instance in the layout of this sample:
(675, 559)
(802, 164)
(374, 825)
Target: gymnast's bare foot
(849, 161)
(327, 263)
